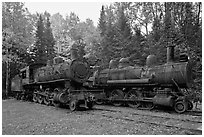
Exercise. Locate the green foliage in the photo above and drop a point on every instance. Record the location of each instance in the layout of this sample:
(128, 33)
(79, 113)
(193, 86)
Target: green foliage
(40, 49)
(102, 22)
(50, 41)
(16, 32)
(44, 41)
(16, 38)
(177, 24)
(125, 29)
(116, 34)
(71, 30)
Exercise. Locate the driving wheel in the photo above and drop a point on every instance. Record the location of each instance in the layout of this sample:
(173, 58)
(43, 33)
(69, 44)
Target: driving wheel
(180, 106)
(73, 105)
(117, 94)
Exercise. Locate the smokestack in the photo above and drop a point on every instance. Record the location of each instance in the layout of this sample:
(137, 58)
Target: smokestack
(74, 53)
(170, 54)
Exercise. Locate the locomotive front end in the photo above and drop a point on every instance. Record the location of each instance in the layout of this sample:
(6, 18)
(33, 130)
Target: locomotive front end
(178, 74)
(172, 74)
(79, 70)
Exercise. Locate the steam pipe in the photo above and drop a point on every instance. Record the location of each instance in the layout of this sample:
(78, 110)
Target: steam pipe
(132, 81)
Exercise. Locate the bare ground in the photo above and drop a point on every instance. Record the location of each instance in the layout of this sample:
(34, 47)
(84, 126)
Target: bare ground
(28, 118)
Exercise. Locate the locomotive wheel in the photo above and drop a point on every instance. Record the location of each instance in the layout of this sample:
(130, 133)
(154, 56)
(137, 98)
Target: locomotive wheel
(99, 102)
(26, 97)
(90, 105)
(17, 96)
(190, 105)
(180, 107)
(46, 100)
(22, 97)
(47, 97)
(35, 98)
(56, 104)
(149, 105)
(133, 95)
(40, 99)
(117, 94)
(73, 105)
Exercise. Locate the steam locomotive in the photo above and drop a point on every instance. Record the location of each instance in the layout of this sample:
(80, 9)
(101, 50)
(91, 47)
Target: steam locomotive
(68, 82)
(59, 83)
(148, 86)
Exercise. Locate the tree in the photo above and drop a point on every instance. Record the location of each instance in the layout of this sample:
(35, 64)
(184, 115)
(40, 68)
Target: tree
(16, 38)
(49, 39)
(157, 29)
(109, 39)
(102, 22)
(40, 42)
(123, 25)
(123, 32)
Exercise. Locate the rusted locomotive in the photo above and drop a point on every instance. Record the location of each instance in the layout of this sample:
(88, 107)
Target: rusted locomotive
(55, 84)
(146, 86)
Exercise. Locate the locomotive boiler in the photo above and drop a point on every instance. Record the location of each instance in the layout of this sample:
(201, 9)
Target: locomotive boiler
(58, 83)
(76, 70)
(164, 75)
(149, 85)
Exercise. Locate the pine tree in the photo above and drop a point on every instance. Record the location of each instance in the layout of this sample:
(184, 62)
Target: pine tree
(102, 22)
(40, 49)
(168, 28)
(109, 40)
(123, 33)
(49, 39)
(157, 28)
(123, 25)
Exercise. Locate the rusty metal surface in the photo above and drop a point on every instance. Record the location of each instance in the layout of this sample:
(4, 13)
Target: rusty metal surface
(77, 70)
(164, 75)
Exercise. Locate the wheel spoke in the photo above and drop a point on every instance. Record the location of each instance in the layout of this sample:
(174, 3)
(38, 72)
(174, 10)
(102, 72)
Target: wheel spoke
(133, 95)
(149, 105)
(40, 99)
(35, 99)
(46, 100)
(47, 97)
(117, 94)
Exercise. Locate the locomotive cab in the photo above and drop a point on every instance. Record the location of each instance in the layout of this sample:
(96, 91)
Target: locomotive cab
(27, 73)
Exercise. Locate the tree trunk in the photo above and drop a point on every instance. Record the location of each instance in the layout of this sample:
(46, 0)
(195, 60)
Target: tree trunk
(146, 28)
(7, 78)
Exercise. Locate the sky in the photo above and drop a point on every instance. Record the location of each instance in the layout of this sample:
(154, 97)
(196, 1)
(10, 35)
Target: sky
(83, 10)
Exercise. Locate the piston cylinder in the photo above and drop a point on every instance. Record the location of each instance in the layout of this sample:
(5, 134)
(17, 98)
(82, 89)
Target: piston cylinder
(61, 97)
(163, 100)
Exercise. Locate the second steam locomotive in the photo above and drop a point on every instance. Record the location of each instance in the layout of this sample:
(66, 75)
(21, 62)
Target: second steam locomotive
(147, 86)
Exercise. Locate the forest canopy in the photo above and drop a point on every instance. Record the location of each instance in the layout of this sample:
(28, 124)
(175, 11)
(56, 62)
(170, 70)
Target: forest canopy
(125, 29)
